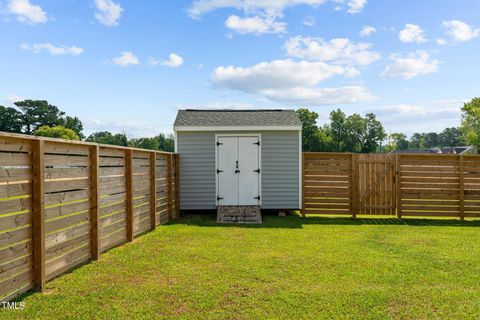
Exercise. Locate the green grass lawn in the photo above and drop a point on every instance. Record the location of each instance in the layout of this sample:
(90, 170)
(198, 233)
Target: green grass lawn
(287, 268)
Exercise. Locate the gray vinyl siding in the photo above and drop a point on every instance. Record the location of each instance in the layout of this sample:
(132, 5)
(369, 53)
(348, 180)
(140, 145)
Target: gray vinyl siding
(197, 170)
(280, 169)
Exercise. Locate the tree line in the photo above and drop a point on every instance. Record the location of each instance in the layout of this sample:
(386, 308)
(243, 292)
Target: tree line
(38, 117)
(344, 133)
(366, 134)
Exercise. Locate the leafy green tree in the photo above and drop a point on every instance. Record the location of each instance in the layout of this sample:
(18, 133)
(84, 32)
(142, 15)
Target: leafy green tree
(10, 120)
(450, 137)
(374, 134)
(431, 140)
(364, 134)
(310, 141)
(105, 137)
(397, 141)
(57, 132)
(339, 130)
(160, 142)
(167, 143)
(471, 122)
(144, 143)
(38, 113)
(417, 141)
(325, 140)
(74, 124)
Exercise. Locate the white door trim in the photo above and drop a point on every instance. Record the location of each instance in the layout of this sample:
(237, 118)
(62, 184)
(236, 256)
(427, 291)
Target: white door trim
(259, 135)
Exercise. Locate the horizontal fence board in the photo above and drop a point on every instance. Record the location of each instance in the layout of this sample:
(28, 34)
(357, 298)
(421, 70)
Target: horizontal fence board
(66, 197)
(422, 185)
(15, 159)
(69, 202)
(66, 149)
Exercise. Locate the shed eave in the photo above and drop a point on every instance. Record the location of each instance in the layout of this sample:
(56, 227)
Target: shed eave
(236, 128)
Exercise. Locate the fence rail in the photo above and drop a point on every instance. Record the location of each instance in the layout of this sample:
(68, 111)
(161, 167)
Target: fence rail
(402, 185)
(63, 203)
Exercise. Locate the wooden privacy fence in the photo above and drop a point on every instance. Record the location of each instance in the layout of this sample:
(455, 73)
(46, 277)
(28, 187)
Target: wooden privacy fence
(402, 185)
(63, 203)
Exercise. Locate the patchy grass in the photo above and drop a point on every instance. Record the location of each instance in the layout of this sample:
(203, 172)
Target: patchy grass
(286, 268)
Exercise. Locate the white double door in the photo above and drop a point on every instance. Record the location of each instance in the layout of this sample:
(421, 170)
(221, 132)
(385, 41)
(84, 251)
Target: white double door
(238, 170)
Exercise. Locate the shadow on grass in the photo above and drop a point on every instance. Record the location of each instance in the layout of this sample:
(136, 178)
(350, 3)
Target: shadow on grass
(209, 219)
(297, 222)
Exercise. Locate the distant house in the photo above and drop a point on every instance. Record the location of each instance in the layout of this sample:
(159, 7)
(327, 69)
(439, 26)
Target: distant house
(448, 150)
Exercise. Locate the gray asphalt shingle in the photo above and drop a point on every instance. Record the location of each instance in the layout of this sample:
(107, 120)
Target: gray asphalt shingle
(237, 118)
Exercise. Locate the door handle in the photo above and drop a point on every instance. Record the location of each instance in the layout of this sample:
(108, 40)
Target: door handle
(236, 166)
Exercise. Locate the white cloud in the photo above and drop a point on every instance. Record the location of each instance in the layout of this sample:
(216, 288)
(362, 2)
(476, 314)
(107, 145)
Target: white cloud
(27, 12)
(367, 31)
(108, 12)
(256, 25)
(11, 99)
(340, 50)
(441, 42)
(262, 15)
(173, 61)
(412, 33)
(408, 118)
(309, 21)
(460, 31)
(290, 81)
(321, 96)
(356, 6)
(272, 8)
(413, 65)
(51, 49)
(126, 59)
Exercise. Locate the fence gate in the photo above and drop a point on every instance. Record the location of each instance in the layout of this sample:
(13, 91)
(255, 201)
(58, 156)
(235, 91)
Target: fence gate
(375, 184)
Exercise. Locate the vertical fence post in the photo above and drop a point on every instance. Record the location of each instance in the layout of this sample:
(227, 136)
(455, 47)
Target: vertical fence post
(153, 190)
(398, 189)
(169, 186)
(94, 201)
(38, 197)
(461, 199)
(177, 184)
(354, 186)
(129, 191)
(303, 185)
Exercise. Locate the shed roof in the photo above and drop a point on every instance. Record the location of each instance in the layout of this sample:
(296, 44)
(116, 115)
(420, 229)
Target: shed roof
(237, 118)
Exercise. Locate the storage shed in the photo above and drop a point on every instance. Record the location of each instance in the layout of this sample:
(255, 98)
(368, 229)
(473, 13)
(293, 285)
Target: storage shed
(239, 158)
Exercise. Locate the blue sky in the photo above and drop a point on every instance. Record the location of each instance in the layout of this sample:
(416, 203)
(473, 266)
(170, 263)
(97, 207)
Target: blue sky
(129, 65)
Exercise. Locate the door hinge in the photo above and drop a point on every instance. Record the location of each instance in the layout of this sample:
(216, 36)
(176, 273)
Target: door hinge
(257, 171)
(257, 143)
(219, 143)
(218, 170)
(219, 198)
(258, 198)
